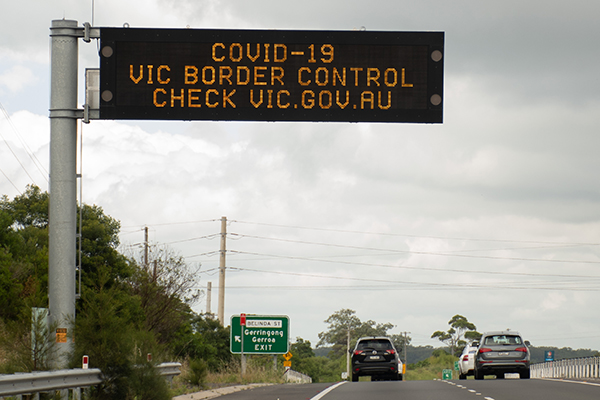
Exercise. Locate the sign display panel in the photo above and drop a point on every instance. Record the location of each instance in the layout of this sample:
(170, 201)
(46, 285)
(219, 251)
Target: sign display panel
(262, 334)
(260, 75)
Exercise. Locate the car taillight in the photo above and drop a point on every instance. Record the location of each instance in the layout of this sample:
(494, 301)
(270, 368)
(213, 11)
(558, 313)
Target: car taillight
(357, 352)
(466, 358)
(484, 350)
(391, 351)
(521, 349)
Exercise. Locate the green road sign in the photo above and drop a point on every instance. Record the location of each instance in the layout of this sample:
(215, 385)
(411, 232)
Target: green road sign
(262, 334)
(456, 366)
(447, 374)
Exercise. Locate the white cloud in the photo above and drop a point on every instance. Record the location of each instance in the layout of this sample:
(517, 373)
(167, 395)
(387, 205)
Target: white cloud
(15, 78)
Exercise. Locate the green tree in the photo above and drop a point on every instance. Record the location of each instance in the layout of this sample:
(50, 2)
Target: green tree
(124, 311)
(302, 354)
(23, 253)
(110, 330)
(166, 288)
(203, 338)
(342, 324)
(460, 329)
(101, 262)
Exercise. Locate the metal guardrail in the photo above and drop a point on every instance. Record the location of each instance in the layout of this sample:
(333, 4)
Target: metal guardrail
(571, 368)
(75, 379)
(169, 370)
(46, 381)
(296, 377)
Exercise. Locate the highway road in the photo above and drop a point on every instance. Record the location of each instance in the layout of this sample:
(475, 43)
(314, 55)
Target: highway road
(506, 389)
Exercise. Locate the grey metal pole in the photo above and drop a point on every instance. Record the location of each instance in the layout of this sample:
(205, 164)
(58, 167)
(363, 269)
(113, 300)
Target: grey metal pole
(221, 310)
(63, 183)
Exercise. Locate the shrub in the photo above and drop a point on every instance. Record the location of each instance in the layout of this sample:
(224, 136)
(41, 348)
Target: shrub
(197, 372)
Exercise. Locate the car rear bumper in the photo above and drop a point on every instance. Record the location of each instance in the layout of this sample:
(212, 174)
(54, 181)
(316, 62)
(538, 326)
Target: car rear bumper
(374, 368)
(505, 367)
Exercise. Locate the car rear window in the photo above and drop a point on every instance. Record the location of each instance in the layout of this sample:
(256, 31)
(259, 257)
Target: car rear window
(502, 339)
(376, 344)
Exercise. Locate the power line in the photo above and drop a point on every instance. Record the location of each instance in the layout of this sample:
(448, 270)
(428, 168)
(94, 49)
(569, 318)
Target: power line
(428, 253)
(492, 285)
(395, 288)
(27, 149)
(420, 268)
(17, 158)
(415, 236)
(176, 223)
(11, 182)
(214, 235)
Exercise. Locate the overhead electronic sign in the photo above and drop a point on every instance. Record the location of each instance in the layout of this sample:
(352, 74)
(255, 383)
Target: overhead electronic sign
(271, 75)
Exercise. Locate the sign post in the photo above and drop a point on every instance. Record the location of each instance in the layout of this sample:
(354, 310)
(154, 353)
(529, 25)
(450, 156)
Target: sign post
(243, 357)
(262, 334)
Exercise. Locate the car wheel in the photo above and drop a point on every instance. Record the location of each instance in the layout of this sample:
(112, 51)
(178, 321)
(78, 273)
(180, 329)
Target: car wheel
(462, 376)
(524, 374)
(354, 377)
(478, 374)
(400, 377)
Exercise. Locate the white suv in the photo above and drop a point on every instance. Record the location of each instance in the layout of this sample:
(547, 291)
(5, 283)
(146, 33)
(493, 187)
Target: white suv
(466, 361)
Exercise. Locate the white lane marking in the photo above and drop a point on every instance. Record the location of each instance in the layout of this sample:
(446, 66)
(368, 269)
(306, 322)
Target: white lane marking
(329, 389)
(464, 387)
(488, 398)
(569, 381)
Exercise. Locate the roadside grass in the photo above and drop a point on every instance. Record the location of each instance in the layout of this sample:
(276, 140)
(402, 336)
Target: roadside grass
(227, 375)
(431, 368)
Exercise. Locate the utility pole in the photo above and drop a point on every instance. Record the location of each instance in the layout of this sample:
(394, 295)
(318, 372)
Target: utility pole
(221, 311)
(208, 297)
(348, 350)
(405, 349)
(146, 248)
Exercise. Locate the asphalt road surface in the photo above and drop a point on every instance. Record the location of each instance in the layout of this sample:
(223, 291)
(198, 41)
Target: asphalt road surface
(505, 389)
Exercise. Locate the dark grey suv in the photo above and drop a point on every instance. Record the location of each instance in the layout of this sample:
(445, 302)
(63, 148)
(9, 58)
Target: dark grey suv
(375, 357)
(502, 352)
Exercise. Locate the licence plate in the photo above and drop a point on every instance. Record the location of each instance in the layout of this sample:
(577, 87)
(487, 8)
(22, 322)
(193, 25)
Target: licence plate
(504, 353)
(373, 357)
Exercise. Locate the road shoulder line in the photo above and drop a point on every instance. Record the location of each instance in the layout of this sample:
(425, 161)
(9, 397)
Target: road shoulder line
(329, 389)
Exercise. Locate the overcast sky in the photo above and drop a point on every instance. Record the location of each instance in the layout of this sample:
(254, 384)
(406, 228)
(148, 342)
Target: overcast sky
(494, 214)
